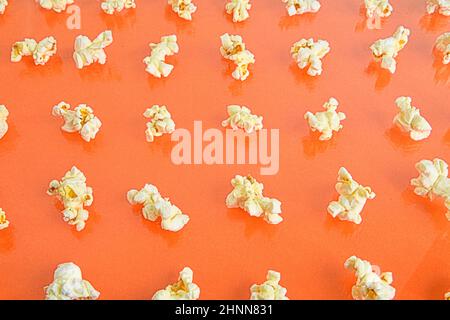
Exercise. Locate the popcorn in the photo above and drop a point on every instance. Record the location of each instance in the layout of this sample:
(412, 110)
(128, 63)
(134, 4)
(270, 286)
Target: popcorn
(308, 53)
(294, 7)
(387, 49)
(352, 198)
(111, 6)
(41, 51)
(233, 48)
(242, 118)
(410, 120)
(441, 6)
(3, 222)
(184, 8)
(3, 5)
(68, 284)
(74, 195)
(443, 45)
(378, 8)
(326, 121)
(55, 5)
(370, 285)
(87, 52)
(433, 181)
(447, 296)
(156, 64)
(183, 289)
(239, 9)
(160, 122)
(172, 219)
(4, 113)
(81, 119)
(248, 195)
(270, 289)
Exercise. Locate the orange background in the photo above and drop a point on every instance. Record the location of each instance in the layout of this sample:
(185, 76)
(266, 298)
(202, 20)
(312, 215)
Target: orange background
(127, 257)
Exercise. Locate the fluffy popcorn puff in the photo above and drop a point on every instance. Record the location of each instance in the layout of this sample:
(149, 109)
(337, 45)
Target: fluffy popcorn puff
(242, 118)
(441, 6)
(41, 52)
(385, 50)
(433, 181)
(55, 5)
(233, 49)
(239, 9)
(111, 6)
(443, 45)
(326, 121)
(81, 119)
(410, 120)
(68, 284)
(308, 53)
(183, 289)
(447, 296)
(3, 4)
(87, 52)
(74, 195)
(160, 122)
(352, 198)
(378, 8)
(156, 64)
(184, 8)
(4, 113)
(294, 7)
(248, 195)
(3, 222)
(270, 289)
(154, 206)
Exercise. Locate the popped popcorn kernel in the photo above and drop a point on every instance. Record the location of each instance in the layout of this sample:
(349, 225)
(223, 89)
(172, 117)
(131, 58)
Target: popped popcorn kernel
(270, 289)
(385, 50)
(111, 6)
(440, 6)
(156, 64)
(81, 119)
(68, 284)
(326, 121)
(154, 206)
(239, 9)
(410, 120)
(87, 52)
(294, 7)
(3, 5)
(184, 8)
(160, 122)
(447, 296)
(443, 45)
(352, 198)
(41, 52)
(233, 49)
(4, 113)
(378, 8)
(183, 289)
(55, 5)
(248, 195)
(74, 194)
(309, 54)
(3, 222)
(242, 118)
(370, 285)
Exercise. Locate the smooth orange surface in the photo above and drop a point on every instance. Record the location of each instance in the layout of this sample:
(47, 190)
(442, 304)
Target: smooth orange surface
(127, 257)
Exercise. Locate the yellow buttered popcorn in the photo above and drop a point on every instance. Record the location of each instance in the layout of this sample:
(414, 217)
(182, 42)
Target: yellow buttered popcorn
(326, 122)
(3, 222)
(443, 45)
(352, 198)
(239, 9)
(111, 6)
(294, 7)
(155, 206)
(242, 118)
(370, 285)
(68, 284)
(248, 195)
(270, 289)
(440, 6)
(4, 113)
(3, 5)
(40, 51)
(74, 194)
(87, 52)
(378, 8)
(156, 64)
(385, 50)
(410, 120)
(309, 54)
(160, 122)
(233, 49)
(184, 8)
(183, 289)
(55, 5)
(81, 119)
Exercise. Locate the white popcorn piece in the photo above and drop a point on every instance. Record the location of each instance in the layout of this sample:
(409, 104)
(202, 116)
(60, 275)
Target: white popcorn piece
(433, 181)
(160, 122)
(81, 119)
(3, 5)
(270, 289)
(156, 64)
(326, 121)
(443, 45)
(410, 120)
(248, 195)
(3, 222)
(440, 6)
(309, 54)
(183, 289)
(370, 285)
(233, 49)
(154, 206)
(242, 118)
(41, 52)
(55, 5)
(385, 50)
(4, 113)
(352, 198)
(74, 194)
(239, 9)
(111, 6)
(378, 8)
(294, 7)
(87, 52)
(447, 296)
(184, 8)
(68, 284)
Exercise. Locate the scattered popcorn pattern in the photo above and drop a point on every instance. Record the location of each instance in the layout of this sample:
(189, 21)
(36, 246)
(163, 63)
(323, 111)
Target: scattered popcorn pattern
(87, 52)
(160, 122)
(326, 121)
(3, 222)
(55, 5)
(3, 5)
(184, 8)
(183, 289)
(111, 6)
(440, 6)
(294, 7)
(270, 289)
(239, 9)
(443, 45)
(233, 49)
(307, 53)
(41, 52)
(410, 120)
(378, 8)
(156, 64)
(242, 118)
(248, 195)
(4, 113)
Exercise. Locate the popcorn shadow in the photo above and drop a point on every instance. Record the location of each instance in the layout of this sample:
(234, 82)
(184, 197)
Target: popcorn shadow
(287, 22)
(433, 22)
(182, 26)
(75, 138)
(51, 68)
(52, 18)
(252, 225)
(8, 141)
(119, 20)
(446, 138)
(236, 86)
(401, 140)
(99, 73)
(161, 145)
(383, 77)
(441, 70)
(7, 238)
(346, 228)
(302, 77)
(363, 22)
(313, 146)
